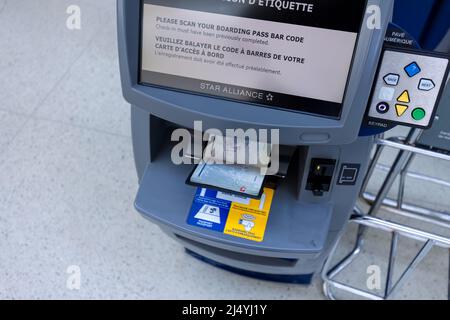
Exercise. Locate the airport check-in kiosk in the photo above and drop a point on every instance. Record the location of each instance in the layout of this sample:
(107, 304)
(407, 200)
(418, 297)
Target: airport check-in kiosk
(304, 68)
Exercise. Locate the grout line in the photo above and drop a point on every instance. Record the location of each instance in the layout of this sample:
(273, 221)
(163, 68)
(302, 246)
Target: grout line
(63, 77)
(79, 126)
(96, 32)
(42, 101)
(64, 123)
(30, 118)
(14, 137)
(15, 113)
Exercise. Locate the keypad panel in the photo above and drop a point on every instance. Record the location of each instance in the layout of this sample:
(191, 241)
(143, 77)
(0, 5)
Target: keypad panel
(407, 88)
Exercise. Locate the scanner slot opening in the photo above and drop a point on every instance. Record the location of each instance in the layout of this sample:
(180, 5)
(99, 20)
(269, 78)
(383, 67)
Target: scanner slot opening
(161, 133)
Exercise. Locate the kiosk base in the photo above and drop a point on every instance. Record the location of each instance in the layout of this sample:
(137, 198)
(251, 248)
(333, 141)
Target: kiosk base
(293, 279)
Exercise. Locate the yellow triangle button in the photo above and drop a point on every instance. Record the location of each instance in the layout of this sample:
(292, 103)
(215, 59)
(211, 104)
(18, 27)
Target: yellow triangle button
(401, 109)
(404, 97)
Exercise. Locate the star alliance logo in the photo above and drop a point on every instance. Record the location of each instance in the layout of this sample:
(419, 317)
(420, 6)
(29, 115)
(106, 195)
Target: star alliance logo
(269, 97)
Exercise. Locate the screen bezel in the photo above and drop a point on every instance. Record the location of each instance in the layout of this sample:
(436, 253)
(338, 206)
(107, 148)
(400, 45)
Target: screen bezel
(318, 107)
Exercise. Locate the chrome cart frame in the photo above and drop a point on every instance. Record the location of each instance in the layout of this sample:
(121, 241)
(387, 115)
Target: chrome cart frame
(407, 150)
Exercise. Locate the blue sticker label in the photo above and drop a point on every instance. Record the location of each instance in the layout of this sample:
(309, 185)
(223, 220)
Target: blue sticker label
(231, 214)
(208, 211)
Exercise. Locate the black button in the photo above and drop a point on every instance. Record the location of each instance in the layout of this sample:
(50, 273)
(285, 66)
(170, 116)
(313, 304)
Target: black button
(383, 107)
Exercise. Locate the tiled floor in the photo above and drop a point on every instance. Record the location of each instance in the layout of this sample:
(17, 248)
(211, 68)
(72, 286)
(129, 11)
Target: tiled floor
(67, 177)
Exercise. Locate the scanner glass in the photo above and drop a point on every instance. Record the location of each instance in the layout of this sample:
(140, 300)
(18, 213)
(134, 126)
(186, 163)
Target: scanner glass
(238, 179)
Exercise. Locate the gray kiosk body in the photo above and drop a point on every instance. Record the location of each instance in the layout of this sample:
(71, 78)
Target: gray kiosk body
(303, 225)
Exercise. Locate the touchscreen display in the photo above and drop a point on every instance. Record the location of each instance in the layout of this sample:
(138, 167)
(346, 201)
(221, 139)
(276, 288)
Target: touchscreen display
(276, 53)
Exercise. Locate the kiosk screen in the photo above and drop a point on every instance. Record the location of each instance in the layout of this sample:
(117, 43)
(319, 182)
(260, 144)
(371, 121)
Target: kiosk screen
(293, 55)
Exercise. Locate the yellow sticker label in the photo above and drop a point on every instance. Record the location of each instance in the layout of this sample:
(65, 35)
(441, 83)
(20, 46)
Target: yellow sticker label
(250, 221)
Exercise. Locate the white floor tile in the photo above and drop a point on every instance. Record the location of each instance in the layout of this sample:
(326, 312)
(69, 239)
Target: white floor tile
(37, 49)
(91, 95)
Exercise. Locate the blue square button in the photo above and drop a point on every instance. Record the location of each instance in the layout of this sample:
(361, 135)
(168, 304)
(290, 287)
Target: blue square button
(412, 69)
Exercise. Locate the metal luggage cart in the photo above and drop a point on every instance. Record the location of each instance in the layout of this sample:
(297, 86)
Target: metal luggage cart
(407, 151)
